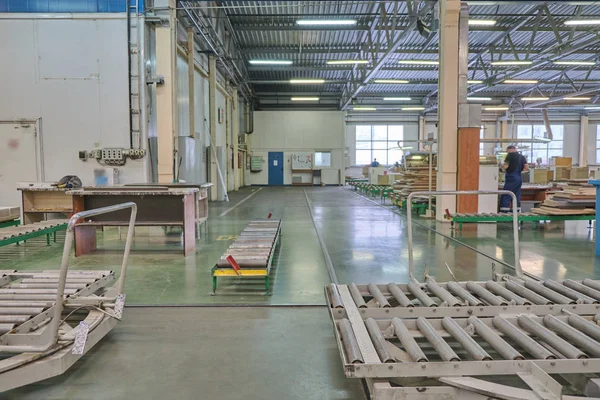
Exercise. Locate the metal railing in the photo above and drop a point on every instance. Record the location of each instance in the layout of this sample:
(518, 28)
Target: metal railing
(411, 268)
(57, 310)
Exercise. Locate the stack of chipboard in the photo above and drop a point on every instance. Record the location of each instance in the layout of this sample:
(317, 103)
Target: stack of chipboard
(9, 213)
(577, 198)
(414, 180)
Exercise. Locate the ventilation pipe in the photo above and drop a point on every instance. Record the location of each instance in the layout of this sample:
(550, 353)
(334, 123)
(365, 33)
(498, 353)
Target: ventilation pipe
(249, 118)
(547, 124)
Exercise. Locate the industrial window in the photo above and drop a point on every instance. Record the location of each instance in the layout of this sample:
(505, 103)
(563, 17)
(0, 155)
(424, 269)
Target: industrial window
(322, 159)
(380, 142)
(481, 136)
(598, 143)
(535, 152)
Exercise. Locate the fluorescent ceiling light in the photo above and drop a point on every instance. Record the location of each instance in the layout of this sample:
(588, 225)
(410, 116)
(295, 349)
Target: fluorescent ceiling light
(500, 108)
(406, 148)
(512, 62)
(341, 62)
(542, 139)
(574, 63)
(419, 62)
(577, 98)
(523, 81)
(270, 62)
(305, 99)
(479, 98)
(364, 108)
(482, 22)
(397, 98)
(307, 81)
(326, 22)
(412, 108)
(583, 22)
(474, 82)
(541, 98)
(389, 81)
(592, 108)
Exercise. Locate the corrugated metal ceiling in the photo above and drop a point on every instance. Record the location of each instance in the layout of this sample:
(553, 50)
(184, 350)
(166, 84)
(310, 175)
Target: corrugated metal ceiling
(267, 30)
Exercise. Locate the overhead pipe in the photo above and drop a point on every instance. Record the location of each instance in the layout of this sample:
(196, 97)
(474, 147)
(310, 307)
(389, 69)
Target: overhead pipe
(249, 118)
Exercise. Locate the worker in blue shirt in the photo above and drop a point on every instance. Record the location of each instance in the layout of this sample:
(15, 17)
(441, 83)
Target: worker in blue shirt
(514, 164)
(375, 163)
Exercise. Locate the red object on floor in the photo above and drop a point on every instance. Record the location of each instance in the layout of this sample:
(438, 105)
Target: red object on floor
(269, 217)
(448, 216)
(234, 264)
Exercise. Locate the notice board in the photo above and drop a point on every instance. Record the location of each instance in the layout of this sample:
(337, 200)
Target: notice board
(302, 161)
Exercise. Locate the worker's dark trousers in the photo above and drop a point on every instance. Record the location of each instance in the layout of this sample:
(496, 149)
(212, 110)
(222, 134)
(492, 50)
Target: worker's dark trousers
(513, 183)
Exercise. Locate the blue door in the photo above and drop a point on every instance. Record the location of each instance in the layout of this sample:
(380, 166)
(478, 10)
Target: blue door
(275, 168)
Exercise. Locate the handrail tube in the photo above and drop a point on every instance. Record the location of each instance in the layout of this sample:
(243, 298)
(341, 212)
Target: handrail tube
(64, 267)
(411, 269)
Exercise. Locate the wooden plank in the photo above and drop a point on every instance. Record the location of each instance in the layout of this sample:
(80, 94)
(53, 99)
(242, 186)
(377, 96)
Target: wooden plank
(358, 326)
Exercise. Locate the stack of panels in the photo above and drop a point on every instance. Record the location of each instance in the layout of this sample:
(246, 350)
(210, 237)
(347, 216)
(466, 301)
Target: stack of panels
(9, 213)
(253, 248)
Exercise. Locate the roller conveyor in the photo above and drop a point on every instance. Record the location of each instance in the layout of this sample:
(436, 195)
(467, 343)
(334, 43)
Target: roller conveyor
(21, 233)
(461, 219)
(49, 319)
(251, 254)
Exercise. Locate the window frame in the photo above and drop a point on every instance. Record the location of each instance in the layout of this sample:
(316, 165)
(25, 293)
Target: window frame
(323, 152)
(375, 146)
(548, 150)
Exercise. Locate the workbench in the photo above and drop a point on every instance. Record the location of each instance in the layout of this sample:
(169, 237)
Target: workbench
(532, 191)
(38, 201)
(200, 197)
(157, 206)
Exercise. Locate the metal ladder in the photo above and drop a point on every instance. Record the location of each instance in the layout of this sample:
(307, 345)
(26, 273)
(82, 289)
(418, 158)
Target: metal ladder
(133, 28)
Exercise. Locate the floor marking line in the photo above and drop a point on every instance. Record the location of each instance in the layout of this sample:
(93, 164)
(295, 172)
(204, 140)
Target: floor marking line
(446, 236)
(332, 275)
(239, 202)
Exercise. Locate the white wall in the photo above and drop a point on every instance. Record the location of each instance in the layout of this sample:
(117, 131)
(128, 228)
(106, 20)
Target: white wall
(298, 131)
(71, 74)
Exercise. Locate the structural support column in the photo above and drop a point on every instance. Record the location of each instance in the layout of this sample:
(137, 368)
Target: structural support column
(469, 124)
(421, 144)
(449, 11)
(235, 125)
(166, 98)
(584, 126)
(212, 107)
(191, 86)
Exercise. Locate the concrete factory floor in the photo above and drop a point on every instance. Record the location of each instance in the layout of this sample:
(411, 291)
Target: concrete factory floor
(283, 352)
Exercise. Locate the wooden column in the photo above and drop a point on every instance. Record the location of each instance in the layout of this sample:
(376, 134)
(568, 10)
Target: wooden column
(468, 168)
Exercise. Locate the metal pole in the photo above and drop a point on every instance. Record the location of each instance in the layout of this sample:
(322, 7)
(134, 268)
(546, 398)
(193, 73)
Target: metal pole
(408, 342)
(547, 293)
(574, 336)
(486, 295)
(421, 295)
(562, 346)
(442, 293)
(439, 344)
(399, 295)
(522, 339)
(582, 288)
(350, 344)
(411, 267)
(378, 341)
(463, 294)
(507, 294)
(378, 296)
(466, 341)
(491, 337)
(574, 294)
(356, 296)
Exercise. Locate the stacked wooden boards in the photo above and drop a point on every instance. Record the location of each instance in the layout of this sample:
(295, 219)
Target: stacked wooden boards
(414, 180)
(577, 198)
